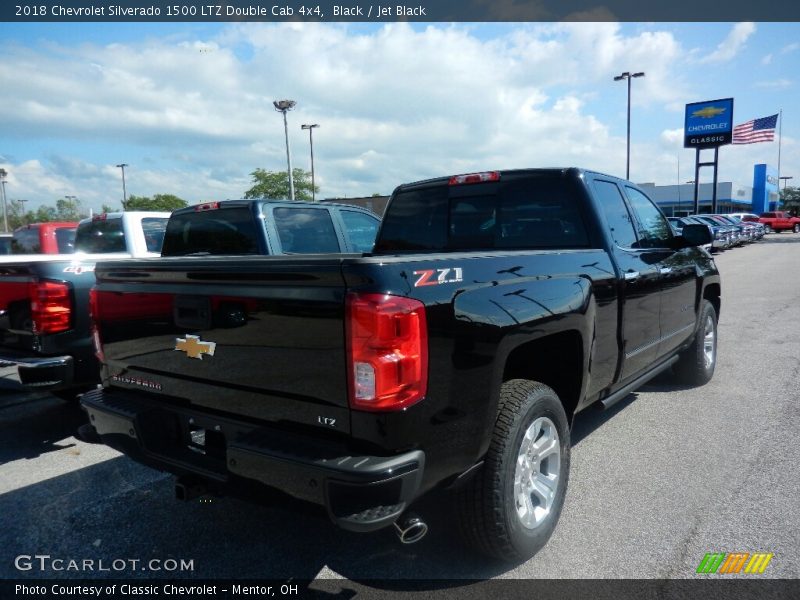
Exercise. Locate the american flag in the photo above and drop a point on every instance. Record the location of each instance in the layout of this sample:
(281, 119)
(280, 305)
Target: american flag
(757, 130)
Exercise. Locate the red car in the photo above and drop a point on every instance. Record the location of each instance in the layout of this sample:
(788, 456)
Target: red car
(779, 221)
(44, 238)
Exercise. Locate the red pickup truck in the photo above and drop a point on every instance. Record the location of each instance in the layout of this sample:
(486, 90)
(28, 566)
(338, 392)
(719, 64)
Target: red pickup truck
(44, 238)
(779, 221)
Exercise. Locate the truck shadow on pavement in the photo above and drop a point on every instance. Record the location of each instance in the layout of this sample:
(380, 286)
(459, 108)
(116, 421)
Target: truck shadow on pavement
(119, 509)
(34, 424)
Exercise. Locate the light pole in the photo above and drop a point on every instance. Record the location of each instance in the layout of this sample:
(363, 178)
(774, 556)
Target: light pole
(311, 142)
(785, 179)
(124, 191)
(627, 75)
(3, 175)
(283, 106)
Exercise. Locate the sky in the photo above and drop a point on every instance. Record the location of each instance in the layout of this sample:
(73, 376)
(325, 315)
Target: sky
(188, 106)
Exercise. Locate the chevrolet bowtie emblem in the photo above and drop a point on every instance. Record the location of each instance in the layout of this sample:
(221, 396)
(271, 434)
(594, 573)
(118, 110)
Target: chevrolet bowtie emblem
(193, 347)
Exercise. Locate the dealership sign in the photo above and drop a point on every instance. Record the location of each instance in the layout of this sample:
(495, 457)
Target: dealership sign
(708, 124)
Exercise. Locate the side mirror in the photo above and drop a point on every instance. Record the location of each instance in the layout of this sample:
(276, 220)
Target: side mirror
(697, 235)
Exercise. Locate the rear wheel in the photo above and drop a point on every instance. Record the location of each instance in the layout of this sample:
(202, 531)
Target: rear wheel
(510, 508)
(696, 364)
(796, 228)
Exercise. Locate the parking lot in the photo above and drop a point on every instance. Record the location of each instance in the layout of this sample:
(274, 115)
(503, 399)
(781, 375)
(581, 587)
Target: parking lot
(659, 480)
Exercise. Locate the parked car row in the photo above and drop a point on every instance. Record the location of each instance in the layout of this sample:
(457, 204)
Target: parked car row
(727, 230)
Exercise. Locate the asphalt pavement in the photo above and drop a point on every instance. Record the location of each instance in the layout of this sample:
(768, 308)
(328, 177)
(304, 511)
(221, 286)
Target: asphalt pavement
(664, 477)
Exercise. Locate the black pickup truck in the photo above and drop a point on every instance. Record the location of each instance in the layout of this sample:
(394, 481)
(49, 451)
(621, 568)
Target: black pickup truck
(493, 308)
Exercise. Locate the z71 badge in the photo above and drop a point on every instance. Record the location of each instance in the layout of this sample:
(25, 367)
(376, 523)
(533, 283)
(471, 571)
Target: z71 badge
(438, 276)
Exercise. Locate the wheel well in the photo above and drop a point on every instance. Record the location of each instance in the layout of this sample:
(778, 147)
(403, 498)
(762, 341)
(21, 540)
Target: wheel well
(556, 361)
(712, 294)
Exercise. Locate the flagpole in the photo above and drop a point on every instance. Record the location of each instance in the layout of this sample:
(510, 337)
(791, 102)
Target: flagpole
(780, 128)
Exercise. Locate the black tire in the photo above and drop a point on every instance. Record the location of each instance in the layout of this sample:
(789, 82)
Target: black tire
(796, 228)
(695, 366)
(767, 229)
(487, 506)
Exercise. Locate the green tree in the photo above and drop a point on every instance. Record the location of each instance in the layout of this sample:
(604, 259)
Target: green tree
(162, 202)
(68, 209)
(275, 185)
(17, 215)
(790, 199)
(44, 214)
(107, 209)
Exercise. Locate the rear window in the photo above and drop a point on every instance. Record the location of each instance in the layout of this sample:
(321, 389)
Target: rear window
(100, 236)
(305, 230)
(65, 239)
(215, 232)
(26, 241)
(536, 212)
(154, 229)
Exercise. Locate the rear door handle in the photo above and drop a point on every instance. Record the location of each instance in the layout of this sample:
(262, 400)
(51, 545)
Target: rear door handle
(631, 275)
(666, 270)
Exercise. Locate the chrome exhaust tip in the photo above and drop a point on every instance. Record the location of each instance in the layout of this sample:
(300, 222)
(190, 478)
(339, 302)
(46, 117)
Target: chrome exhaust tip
(410, 528)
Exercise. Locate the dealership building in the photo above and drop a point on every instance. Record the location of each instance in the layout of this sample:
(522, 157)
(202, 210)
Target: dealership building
(757, 196)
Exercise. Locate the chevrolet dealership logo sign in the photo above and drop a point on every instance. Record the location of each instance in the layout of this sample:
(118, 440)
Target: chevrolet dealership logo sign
(708, 124)
(194, 347)
(726, 563)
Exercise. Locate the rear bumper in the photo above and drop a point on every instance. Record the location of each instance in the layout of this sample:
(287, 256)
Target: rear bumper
(43, 372)
(229, 456)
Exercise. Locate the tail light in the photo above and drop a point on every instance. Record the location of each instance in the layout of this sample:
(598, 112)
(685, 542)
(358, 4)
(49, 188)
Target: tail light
(51, 306)
(387, 344)
(206, 206)
(94, 320)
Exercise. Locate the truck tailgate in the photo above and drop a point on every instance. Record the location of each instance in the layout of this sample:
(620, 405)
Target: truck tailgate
(263, 339)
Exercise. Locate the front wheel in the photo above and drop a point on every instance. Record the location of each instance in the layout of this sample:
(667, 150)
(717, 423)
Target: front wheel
(696, 364)
(796, 228)
(767, 229)
(511, 507)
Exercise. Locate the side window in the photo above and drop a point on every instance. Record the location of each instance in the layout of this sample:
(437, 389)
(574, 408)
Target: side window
(361, 229)
(617, 215)
(654, 231)
(305, 230)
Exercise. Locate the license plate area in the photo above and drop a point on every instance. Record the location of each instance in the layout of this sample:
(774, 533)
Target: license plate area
(197, 442)
(207, 442)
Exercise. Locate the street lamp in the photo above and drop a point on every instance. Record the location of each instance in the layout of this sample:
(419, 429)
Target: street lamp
(283, 106)
(627, 75)
(311, 142)
(785, 179)
(124, 191)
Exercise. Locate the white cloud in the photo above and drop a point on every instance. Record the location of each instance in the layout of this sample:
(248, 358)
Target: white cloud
(774, 84)
(790, 47)
(767, 59)
(194, 118)
(732, 44)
